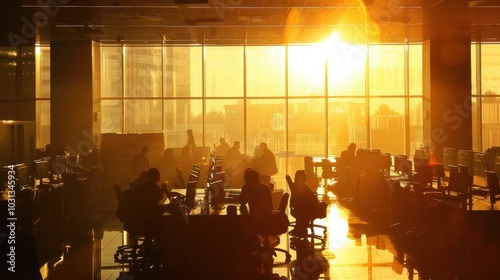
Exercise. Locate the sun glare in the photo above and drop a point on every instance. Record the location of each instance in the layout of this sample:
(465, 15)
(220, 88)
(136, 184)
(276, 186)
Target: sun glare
(344, 60)
(338, 227)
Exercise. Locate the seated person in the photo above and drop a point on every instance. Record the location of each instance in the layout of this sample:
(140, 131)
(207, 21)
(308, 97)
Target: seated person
(305, 204)
(143, 177)
(256, 195)
(145, 207)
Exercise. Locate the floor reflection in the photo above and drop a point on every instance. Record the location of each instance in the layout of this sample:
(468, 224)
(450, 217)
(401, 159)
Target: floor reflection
(353, 250)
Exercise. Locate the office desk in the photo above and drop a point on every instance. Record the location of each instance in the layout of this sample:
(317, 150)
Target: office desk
(215, 246)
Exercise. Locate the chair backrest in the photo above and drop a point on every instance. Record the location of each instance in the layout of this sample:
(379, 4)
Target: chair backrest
(452, 168)
(460, 182)
(424, 174)
(439, 170)
(284, 203)
(492, 182)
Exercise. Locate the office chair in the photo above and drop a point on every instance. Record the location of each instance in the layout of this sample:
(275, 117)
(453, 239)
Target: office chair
(458, 189)
(493, 186)
(275, 226)
(134, 256)
(318, 240)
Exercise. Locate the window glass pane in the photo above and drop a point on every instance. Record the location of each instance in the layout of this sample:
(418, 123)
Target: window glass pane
(143, 116)
(143, 71)
(224, 71)
(491, 119)
(346, 124)
(346, 69)
(111, 71)
(266, 122)
(473, 68)
(476, 121)
(111, 116)
(416, 119)
(490, 63)
(265, 70)
(182, 71)
(415, 71)
(224, 118)
(42, 123)
(387, 125)
(181, 115)
(44, 73)
(386, 70)
(303, 138)
(306, 71)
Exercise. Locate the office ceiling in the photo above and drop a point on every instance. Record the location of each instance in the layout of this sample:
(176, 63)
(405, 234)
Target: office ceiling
(250, 21)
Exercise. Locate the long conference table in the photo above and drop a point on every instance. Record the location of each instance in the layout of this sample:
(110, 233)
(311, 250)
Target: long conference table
(208, 246)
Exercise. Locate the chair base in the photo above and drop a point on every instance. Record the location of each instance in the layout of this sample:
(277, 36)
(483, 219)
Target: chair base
(318, 241)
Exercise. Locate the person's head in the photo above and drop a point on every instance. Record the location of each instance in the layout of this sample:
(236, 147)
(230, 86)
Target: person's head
(168, 152)
(237, 144)
(222, 140)
(251, 176)
(153, 175)
(352, 147)
(144, 149)
(143, 177)
(300, 177)
(263, 146)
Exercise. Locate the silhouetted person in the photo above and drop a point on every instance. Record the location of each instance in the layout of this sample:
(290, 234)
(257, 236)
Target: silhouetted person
(167, 165)
(190, 138)
(233, 155)
(305, 204)
(143, 177)
(146, 205)
(265, 164)
(351, 153)
(222, 148)
(256, 195)
(141, 161)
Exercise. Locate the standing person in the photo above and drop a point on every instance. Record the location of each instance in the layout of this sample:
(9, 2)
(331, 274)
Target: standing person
(141, 161)
(191, 139)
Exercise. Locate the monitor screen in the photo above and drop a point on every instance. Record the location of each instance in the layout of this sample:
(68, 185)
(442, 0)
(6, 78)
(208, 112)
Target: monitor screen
(218, 193)
(41, 169)
(22, 176)
(191, 193)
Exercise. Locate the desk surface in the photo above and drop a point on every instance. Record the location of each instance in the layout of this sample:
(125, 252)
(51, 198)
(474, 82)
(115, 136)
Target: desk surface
(215, 246)
(200, 193)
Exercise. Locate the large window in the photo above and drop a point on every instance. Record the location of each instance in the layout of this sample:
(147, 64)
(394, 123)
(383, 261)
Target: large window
(306, 100)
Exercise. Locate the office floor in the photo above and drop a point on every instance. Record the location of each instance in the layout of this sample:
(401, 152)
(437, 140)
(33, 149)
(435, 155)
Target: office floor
(354, 250)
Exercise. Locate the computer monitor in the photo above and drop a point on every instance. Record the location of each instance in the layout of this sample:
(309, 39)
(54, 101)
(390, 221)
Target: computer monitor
(41, 168)
(22, 176)
(190, 199)
(218, 193)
